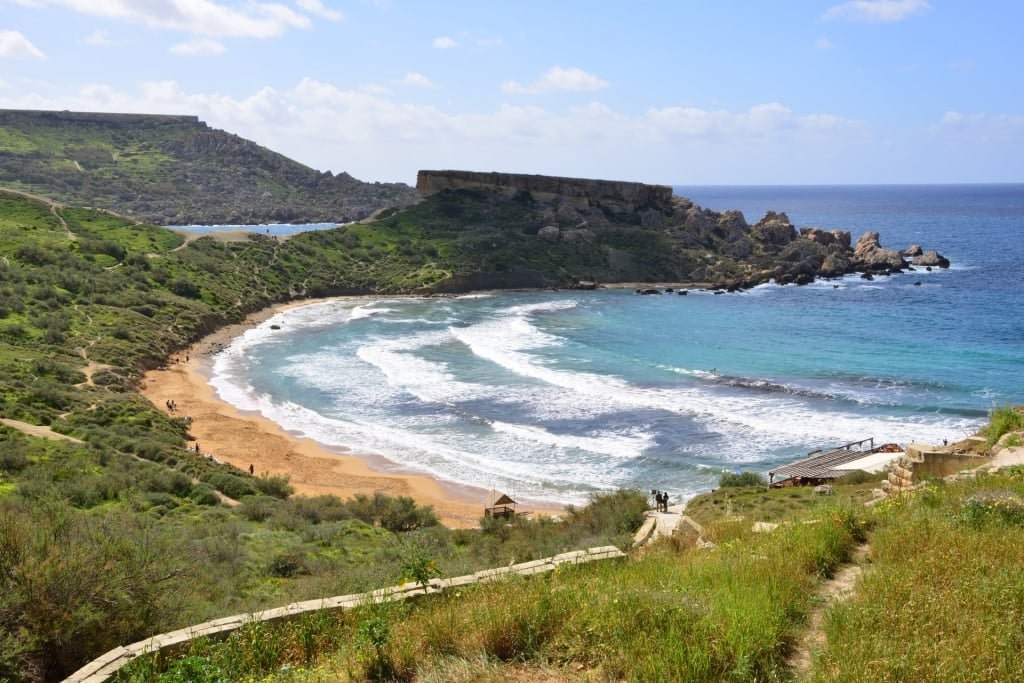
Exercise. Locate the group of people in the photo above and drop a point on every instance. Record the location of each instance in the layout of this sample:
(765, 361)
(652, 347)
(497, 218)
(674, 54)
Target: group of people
(661, 500)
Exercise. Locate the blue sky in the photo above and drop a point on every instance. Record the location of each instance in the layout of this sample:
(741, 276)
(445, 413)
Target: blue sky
(686, 92)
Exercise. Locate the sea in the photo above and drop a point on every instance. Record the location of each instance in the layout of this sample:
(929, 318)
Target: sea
(554, 396)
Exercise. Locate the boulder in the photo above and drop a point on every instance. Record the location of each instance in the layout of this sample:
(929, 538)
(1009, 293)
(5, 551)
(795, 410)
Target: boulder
(869, 255)
(733, 226)
(774, 230)
(549, 233)
(824, 490)
(931, 258)
(912, 250)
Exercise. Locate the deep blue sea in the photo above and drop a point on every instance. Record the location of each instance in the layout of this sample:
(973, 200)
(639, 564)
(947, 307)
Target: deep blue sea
(551, 396)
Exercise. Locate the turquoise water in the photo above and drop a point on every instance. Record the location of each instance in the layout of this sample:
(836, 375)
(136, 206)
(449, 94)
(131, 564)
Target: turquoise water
(554, 395)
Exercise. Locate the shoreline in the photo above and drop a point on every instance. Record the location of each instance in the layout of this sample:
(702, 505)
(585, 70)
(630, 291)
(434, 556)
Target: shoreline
(244, 438)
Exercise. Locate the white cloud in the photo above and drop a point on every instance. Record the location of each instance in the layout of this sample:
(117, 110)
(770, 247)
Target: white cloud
(555, 79)
(995, 126)
(824, 44)
(380, 136)
(199, 17)
(317, 7)
(876, 11)
(13, 45)
(97, 38)
(761, 120)
(201, 47)
(444, 43)
(417, 80)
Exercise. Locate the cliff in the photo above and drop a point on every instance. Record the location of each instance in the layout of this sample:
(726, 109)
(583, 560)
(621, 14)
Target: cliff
(174, 170)
(582, 193)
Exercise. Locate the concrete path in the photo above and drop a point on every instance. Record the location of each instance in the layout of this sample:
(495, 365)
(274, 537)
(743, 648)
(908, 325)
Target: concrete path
(659, 525)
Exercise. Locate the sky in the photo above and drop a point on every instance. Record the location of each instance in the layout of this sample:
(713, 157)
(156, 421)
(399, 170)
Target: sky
(675, 92)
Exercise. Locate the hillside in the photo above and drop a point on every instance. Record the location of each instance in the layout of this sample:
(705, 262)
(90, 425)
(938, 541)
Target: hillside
(174, 170)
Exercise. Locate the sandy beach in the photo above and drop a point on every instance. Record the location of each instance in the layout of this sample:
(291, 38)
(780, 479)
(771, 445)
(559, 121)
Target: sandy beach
(245, 439)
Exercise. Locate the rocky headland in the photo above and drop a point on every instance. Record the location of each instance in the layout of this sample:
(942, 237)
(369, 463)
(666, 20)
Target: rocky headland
(610, 231)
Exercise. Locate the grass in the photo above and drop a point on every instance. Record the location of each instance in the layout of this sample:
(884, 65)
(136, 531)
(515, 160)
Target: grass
(944, 598)
(674, 614)
(941, 599)
(762, 504)
(1003, 420)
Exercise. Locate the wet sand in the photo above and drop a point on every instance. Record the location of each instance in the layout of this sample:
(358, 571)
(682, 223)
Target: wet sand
(244, 439)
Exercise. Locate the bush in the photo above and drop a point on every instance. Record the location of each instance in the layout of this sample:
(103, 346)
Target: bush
(75, 585)
(204, 494)
(230, 485)
(257, 508)
(739, 479)
(274, 485)
(1002, 420)
(860, 477)
(618, 512)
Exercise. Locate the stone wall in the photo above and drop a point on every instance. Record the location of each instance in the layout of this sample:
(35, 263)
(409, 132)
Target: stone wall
(581, 192)
(922, 459)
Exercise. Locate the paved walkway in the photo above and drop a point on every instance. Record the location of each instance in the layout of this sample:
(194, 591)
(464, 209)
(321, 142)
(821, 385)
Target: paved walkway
(659, 524)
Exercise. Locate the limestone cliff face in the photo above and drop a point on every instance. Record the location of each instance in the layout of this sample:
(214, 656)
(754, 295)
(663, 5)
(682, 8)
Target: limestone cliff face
(581, 192)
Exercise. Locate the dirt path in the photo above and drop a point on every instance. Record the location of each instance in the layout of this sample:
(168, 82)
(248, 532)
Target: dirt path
(837, 589)
(37, 430)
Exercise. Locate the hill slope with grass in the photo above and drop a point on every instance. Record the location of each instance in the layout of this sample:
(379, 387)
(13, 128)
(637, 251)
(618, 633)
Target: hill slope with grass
(175, 170)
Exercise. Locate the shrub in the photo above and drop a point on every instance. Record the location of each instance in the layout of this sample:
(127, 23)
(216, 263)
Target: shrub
(204, 494)
(230, 485)
(739, 479)
(860, 477)
(403, 514)
(274, 485)
(257, 508)
(618, 512)
(1002, 420)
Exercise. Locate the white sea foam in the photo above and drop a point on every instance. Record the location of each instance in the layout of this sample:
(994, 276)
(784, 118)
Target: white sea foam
(520, 413)
(619, 445)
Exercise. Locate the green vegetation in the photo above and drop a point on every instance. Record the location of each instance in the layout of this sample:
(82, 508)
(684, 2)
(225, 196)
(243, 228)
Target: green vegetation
(174, 170)
(741, 479)
(940, 599)
(119, 531)
(116, 531)
(676, 614)
(944, 598)
(1003, 420)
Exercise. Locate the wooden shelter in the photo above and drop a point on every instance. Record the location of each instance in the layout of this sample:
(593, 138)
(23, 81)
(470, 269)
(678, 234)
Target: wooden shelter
(504, 507)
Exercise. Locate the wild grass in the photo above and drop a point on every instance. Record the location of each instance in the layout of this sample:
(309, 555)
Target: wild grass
(674, 614)
(943, 599)
(1002, 420)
